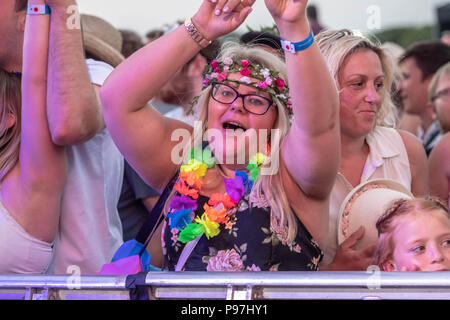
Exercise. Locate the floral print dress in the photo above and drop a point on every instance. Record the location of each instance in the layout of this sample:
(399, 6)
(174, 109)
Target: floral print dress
(255, 241)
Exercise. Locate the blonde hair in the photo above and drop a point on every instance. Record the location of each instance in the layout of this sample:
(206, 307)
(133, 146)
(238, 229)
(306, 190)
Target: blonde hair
(338, 45)
(268, 186)
(386, 223)
(10, 95)
(443, 71)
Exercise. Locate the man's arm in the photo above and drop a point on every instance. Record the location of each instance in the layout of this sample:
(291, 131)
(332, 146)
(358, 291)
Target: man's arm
(73, 105)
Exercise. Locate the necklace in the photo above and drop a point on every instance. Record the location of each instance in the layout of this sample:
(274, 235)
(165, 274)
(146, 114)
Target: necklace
(218, 211)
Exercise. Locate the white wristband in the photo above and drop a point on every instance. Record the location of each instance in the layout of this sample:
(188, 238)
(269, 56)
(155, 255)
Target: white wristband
(38, 9)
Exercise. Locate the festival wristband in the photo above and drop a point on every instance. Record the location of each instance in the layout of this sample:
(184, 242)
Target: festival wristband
(298, 46)
(195, 34)
(38, 9)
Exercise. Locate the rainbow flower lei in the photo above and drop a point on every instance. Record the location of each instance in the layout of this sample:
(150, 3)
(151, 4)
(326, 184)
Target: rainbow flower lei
(267, 80)
(218, 210)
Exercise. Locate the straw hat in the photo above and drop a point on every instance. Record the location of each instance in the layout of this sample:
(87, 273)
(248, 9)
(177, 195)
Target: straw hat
(364, 205)
(102, 40)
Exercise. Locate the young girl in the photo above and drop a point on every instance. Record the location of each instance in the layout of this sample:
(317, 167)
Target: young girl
(414, 235)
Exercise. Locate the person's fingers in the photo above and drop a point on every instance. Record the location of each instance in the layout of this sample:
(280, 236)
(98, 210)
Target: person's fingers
(219, 6)
(410, 269)
(246, 3)
(231, 5)
(351, 241)
(243, 14)
(416, 268)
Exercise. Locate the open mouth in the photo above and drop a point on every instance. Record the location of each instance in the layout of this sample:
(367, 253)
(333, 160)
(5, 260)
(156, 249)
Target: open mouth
(233, 126)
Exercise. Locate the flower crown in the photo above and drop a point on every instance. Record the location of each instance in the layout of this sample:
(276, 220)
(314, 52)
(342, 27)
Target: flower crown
(267, 80)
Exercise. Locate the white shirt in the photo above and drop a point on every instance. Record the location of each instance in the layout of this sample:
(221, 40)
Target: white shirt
(388, 159)
(90, 230)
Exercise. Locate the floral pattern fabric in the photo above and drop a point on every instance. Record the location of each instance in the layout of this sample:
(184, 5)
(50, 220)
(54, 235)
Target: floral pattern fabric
(253, 241)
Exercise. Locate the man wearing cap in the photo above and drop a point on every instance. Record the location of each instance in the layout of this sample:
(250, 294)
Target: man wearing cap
(90, 229)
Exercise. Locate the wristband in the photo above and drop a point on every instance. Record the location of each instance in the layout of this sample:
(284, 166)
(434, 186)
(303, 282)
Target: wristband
(38, 9)
(195, 34)
(298, 46)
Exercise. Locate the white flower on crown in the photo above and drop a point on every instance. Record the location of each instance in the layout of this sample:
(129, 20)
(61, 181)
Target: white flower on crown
(245, 80)
(227, 61)
(265, 73)
(226, 69)
(281, 96)
(214, 75)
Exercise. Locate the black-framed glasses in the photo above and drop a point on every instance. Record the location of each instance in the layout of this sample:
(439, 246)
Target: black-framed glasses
(252, 103)
(444, 93)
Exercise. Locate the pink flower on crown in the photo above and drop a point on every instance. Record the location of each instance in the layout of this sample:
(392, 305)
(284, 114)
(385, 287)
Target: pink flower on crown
(262, 85)
(226, 69)
(265, 72)
(207, 79)
(216, 70)
(245, 72)
(214, 64)
(227, 61)
(245, 80)
(245, 63)
(269, 81)
(280, 83)
(221, 76)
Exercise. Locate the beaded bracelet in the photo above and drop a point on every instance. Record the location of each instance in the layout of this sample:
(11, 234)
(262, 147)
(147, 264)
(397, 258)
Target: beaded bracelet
(195, 34)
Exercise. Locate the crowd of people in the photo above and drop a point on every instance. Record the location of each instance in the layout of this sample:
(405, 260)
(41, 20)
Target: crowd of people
(306, 150)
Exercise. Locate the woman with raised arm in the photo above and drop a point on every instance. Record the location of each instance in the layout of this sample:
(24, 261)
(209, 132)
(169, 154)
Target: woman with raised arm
(32, 168)
(235, 215)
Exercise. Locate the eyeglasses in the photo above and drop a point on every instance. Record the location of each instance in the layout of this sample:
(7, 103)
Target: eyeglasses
(252, 103)
(444, 93)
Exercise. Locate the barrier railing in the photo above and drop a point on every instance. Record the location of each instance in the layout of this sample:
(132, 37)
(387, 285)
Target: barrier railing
(232, 286)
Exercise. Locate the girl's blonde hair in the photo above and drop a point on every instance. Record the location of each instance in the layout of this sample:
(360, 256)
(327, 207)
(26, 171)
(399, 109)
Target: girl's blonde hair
(338, 45)
(10, 95)
(386, 223)
(268, 186)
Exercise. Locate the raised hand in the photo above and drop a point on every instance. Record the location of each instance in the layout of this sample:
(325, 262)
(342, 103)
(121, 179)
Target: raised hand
(216, 18)
(287, 10)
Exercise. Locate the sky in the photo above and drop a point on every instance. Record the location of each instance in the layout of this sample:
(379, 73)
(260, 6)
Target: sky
(366, 15)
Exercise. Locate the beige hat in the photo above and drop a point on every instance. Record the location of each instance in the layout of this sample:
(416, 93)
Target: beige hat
(364, 205)
(102, 40)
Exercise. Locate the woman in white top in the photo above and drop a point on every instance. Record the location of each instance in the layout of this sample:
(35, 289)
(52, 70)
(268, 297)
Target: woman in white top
(32, 168)
(370, 147)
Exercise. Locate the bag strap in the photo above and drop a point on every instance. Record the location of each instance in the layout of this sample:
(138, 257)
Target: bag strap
(155, 217)
(187, 250)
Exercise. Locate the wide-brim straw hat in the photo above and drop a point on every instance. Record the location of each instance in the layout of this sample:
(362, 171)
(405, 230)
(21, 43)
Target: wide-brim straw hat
(364, 205)
(102, 40)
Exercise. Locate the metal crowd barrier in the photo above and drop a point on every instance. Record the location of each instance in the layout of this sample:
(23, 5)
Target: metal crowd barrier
(233, 286)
